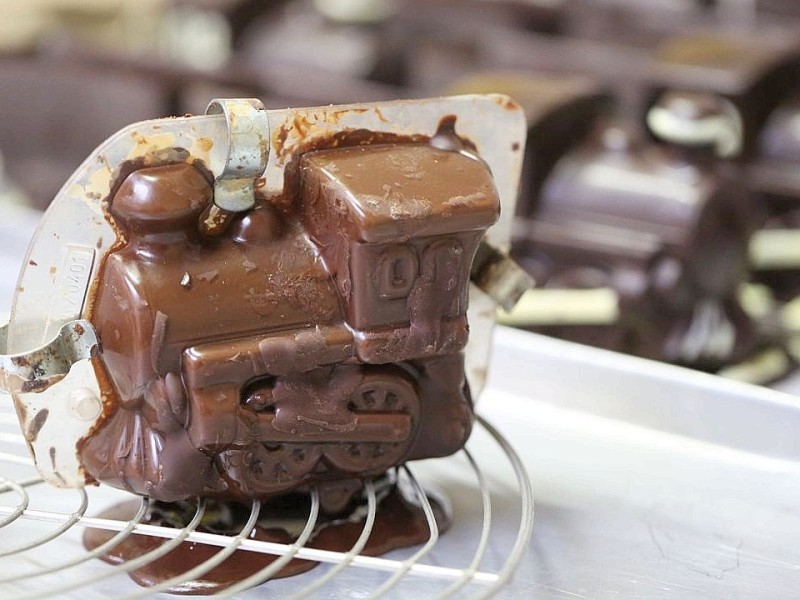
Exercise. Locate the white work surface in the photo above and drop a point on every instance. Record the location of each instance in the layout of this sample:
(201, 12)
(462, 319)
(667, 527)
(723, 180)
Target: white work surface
(650, 482)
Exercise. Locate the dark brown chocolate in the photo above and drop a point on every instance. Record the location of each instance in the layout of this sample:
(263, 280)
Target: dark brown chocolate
(755, 72)
(663, 228)
(318, 339)
(399, 523)
(667, 234)
(774, 179)
(760, 76)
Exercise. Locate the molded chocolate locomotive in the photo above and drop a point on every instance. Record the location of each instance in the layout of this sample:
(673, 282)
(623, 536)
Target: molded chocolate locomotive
(317, 340)
(668, 236)
(663, 230)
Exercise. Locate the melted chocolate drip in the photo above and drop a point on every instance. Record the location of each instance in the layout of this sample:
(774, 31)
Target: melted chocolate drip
(399, 523)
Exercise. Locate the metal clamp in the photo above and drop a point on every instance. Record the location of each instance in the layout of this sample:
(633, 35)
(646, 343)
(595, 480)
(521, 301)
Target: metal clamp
(41, 368)
(248, 151)
(499, 276)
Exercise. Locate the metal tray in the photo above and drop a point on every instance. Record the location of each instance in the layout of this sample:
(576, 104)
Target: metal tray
(651, 481)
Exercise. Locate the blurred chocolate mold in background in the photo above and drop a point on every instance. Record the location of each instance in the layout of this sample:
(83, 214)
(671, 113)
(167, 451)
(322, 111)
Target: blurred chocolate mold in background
(775, 174)
(755, 72)
(642, 23)
(636, 23)
(54, 115)
(57, 105)
(759, 77)
(76, 72)
(643, 246)
(314, 339)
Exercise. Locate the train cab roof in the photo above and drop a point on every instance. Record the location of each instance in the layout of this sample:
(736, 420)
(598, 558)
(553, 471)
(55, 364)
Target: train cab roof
(394, 192)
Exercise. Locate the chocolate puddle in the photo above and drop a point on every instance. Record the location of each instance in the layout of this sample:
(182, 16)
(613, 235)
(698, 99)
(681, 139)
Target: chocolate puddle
(399, 523)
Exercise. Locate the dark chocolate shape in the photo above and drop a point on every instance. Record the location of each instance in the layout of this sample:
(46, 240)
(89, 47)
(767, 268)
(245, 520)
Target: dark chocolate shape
(670, 237)
(665, 228)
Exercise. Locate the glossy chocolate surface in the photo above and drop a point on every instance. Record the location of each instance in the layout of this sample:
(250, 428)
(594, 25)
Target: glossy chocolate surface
(318, 339)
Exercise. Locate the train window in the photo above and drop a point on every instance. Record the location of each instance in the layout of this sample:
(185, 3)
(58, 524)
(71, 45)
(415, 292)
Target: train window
(397, 272)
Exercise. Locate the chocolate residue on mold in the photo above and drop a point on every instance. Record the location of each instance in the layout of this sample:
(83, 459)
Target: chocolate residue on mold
(36, 425)
(38, 385)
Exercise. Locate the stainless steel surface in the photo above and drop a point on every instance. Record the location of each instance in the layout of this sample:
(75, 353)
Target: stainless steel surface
(651, 481)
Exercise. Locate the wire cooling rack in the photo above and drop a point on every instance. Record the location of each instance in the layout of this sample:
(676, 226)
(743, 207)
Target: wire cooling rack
(42, 556)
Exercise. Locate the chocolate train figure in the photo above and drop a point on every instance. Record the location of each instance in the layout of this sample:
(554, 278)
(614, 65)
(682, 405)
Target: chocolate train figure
(272, 306)
(289, 309)
(667, 236)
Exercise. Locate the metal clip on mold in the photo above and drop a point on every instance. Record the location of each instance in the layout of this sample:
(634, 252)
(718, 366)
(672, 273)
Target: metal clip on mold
(499, 276)
(248, 151)
(38, 369)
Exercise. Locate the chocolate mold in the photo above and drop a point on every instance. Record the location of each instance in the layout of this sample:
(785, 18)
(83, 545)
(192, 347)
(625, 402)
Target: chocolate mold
(388, 362)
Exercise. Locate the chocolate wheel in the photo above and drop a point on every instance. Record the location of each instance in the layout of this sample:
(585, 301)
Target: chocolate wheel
(385, 390)
(262, 469)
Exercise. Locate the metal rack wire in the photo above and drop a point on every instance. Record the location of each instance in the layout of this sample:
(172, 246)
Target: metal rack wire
(40, 527)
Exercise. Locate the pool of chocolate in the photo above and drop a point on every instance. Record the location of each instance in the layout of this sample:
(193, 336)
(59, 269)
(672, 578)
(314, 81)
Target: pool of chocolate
(400, 522)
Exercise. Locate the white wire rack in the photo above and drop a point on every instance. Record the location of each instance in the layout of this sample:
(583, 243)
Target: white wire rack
(41, 553)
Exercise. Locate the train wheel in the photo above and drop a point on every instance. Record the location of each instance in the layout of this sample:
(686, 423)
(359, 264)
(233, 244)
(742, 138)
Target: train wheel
(382, 390)
(262, 469)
